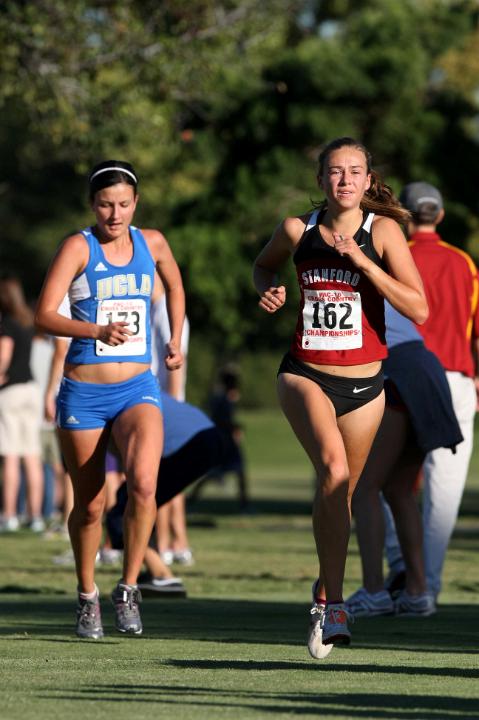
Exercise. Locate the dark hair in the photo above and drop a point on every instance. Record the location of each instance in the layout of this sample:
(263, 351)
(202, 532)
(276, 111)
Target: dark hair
(111, 172)
(12, 301)
(427, 214)
(379, 198)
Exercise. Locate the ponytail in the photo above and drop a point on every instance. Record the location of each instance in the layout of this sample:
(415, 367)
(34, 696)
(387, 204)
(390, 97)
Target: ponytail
(380, 199)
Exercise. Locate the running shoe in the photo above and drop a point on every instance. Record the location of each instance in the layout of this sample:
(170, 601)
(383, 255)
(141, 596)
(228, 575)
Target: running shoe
(335, 626)
(126, 600)
(67, 558)
(89, 619)
(10, 524)
(315, 634)
(167, 556)
(414, 605)
(57, 531)
(365, 604)
(161, 587)
(110, 556)
(183, 557)
(37, 525)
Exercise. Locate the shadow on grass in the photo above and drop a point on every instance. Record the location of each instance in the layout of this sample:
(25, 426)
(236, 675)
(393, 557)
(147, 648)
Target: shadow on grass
(202, 512)
(351, 705)
(198, 509)
(452, 630)
(328, 667)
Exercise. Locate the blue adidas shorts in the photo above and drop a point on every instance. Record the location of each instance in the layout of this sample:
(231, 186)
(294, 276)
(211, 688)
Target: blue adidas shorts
(84, 406)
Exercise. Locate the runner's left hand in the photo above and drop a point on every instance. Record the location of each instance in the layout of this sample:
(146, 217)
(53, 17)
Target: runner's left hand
(173, 357)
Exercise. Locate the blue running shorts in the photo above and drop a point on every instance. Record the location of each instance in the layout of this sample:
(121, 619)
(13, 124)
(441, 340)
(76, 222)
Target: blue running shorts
(84, 406)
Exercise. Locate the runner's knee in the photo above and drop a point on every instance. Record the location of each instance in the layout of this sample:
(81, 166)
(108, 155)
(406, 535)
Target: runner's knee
(141, 490)
(90, 513)
(335, 475)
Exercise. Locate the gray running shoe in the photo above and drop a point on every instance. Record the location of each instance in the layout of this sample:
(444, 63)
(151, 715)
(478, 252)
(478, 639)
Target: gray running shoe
(414, 605)
(335, 627)
(365, 604)
(89, 619)
(126, 600)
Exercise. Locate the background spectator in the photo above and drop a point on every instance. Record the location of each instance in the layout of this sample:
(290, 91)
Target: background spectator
(171, 525)
(451, 332)
(20, 407)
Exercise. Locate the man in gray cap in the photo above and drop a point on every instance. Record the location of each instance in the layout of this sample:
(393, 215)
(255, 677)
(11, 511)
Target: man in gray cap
(424, 201)
(451, 331)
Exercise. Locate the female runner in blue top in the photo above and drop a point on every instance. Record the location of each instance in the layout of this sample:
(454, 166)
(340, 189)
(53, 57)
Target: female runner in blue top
(107, 271)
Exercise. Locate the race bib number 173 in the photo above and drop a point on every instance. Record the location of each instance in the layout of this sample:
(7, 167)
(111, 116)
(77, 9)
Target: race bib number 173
(332, 320)
(131, 311)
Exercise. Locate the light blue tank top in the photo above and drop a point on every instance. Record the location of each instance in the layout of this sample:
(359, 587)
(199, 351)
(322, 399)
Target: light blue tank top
(105, 293)
(399, 329)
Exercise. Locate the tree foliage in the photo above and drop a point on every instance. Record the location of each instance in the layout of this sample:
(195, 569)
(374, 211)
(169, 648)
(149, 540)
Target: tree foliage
(222, 107)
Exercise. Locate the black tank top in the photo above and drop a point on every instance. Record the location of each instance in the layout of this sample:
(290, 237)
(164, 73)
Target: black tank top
(19, 369)
(341, 314)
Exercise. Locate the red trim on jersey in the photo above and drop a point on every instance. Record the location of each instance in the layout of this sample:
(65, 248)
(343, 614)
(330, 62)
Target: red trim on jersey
(372, 312)
(451, 283)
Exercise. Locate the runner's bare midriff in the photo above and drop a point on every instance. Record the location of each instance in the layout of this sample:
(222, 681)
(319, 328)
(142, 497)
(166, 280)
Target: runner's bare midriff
(354, 371)
(105, 373)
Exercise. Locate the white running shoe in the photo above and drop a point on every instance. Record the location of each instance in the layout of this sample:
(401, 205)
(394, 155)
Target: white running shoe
(110, 556)
(167, 556)
(415, 605)
(315, 637)
(10, 524)
(68, 558)
(37, 525)
(335, 626)
(183, 557)
(365, 604)
(315, 634)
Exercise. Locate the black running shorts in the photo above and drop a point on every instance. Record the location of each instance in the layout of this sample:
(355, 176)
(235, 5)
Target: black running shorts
(345, 393)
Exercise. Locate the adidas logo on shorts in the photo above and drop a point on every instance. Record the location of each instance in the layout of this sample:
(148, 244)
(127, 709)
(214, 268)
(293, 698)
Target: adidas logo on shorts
(72, 420)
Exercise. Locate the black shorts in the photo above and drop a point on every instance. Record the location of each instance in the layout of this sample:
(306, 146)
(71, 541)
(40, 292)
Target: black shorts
(200, 455)
(345, 393)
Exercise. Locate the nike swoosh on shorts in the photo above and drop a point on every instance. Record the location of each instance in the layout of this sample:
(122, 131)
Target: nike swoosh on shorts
(358, 390)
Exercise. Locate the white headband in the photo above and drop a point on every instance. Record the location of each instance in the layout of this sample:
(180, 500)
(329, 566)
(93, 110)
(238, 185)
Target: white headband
(110, 169)
(428, 199)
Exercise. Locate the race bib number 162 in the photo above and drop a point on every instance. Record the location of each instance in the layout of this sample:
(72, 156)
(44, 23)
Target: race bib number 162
(332, 320)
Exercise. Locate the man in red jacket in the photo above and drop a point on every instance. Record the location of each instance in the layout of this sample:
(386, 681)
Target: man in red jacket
(452, 330)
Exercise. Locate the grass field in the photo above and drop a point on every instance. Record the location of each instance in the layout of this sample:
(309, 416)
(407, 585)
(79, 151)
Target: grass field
(236, 647)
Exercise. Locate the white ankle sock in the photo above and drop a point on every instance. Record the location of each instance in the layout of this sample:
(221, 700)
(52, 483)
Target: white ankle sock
(91, 595)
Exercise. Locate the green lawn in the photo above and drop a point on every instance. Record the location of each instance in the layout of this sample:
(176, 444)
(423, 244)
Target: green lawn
(236, 647)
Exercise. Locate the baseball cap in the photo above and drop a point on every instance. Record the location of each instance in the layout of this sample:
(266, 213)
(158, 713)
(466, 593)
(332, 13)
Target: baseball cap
(418, 193)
